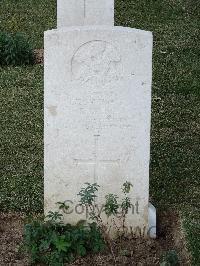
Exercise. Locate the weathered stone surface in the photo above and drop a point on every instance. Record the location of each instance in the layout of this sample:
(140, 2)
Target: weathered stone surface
(85, 12)
(97, 115)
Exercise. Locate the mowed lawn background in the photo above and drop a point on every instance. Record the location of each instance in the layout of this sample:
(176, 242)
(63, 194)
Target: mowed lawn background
(175, 136)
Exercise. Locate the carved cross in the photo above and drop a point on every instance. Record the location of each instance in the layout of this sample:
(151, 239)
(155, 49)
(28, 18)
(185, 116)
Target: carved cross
(84, 12)
(96, 161)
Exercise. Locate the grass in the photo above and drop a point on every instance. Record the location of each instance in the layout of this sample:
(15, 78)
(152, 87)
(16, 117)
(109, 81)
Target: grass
(191, 225)
(21, 139)
(175, 152)
(31, 17)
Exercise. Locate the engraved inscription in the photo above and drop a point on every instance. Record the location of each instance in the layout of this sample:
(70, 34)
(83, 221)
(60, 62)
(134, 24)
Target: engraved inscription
(96, 160)
(97, 61)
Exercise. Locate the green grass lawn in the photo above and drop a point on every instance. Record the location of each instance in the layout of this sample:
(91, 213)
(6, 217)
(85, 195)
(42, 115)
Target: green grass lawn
(175, 152)
(29, 16)
(21, 138)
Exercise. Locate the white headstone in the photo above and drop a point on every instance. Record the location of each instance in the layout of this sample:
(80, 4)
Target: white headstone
(85, 12)
(97, 116)
(97, 109)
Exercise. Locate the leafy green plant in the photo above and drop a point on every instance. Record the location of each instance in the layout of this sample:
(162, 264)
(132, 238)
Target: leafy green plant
(15, 49)
(54, 243)
(87, 194)
(62, 206)
(170, 259)
(54, 216)
(126, 187)
(112, 208)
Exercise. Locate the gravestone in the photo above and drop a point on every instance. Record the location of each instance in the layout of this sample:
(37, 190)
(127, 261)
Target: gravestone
(97, 106)
(85, 12)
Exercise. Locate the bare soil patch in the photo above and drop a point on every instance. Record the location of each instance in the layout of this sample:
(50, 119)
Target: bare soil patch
(127, 251)
(11, 235)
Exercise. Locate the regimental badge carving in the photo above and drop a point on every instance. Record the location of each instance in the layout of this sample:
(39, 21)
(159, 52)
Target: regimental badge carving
(97, 61)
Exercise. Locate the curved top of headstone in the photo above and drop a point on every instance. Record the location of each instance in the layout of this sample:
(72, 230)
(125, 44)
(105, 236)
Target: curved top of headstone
(85, 12)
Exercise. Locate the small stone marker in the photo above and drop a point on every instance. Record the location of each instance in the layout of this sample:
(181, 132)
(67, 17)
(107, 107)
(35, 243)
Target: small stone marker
(97, 116)
(85, 12)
